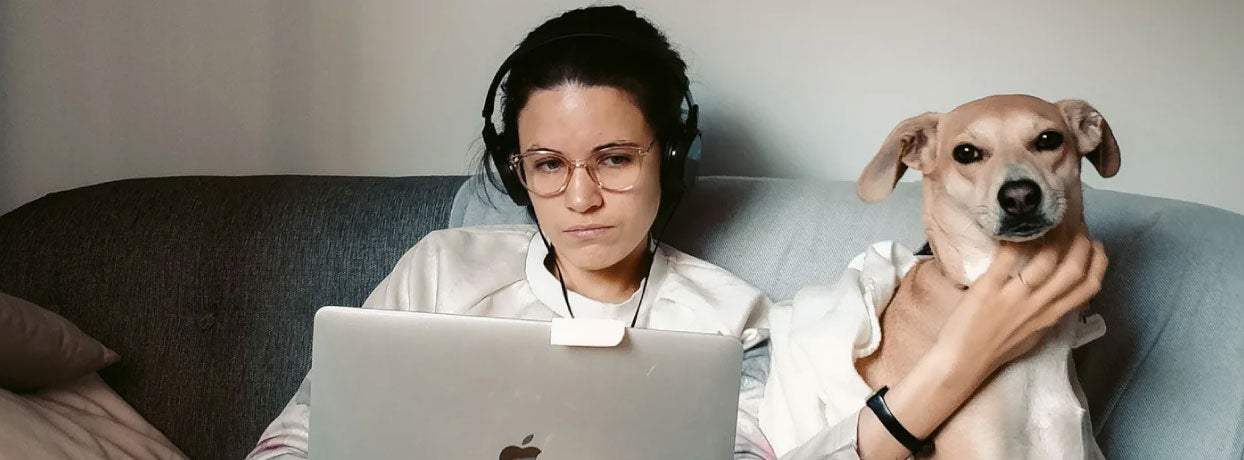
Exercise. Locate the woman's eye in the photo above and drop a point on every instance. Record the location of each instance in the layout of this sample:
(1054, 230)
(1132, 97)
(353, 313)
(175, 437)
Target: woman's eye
(616, 160)
(967, 154)
(549, 165)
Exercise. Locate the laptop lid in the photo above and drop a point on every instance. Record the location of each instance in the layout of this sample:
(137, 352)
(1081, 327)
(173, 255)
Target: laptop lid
(392, 384)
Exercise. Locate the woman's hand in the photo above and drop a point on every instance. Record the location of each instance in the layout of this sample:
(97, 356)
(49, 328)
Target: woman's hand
(1001, 318)
(1004, 316)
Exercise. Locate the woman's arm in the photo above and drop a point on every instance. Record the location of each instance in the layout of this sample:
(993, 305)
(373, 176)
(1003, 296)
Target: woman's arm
(1001, 318)
(286, 437)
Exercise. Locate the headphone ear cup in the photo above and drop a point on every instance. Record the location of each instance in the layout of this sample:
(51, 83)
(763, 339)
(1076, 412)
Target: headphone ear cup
(505, 170)
(691, 161)
(671, 169)
(513, 187)
(680, 163)
(691, 145)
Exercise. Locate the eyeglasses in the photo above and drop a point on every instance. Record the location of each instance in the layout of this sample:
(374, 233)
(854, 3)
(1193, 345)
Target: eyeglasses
(547, 173)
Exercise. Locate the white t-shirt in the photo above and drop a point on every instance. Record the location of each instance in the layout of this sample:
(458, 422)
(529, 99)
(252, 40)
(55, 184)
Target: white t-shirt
(499, 271)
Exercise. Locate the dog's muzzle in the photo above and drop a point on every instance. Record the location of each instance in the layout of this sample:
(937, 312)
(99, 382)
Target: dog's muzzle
(1022, 216)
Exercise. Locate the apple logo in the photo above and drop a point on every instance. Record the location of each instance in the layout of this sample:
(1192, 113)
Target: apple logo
(521, 453)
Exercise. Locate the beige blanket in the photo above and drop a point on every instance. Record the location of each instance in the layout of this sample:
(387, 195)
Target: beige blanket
(83, 419)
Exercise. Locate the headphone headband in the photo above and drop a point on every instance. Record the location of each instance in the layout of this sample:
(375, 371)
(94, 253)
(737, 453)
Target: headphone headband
(522, 51)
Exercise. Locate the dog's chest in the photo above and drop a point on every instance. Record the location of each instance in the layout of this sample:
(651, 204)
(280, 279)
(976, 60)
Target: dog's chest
(1034, 406)
(1030, 409)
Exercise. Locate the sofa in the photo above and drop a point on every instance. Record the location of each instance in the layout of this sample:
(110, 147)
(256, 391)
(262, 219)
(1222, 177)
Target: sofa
(207, 286)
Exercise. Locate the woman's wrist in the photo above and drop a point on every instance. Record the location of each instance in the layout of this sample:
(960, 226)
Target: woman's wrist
(931, 391)
(960, 361)
(941, 381)
(923, 399)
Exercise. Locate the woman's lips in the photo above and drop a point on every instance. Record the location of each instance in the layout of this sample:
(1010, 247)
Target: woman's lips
(587, 231)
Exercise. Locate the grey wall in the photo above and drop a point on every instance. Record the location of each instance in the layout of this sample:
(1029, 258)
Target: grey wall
(95, 91)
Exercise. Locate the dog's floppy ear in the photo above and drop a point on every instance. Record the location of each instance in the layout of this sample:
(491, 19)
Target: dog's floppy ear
(913, 143)
(1094, 139)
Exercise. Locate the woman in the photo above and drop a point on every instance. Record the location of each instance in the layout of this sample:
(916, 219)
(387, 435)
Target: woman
(591, 108)
(586, 121)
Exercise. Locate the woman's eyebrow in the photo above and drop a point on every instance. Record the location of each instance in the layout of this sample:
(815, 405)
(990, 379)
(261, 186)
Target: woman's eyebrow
(537, 148)
(616, 144)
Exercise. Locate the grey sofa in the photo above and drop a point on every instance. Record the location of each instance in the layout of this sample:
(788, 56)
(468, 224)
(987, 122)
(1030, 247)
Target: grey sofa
(207, 285)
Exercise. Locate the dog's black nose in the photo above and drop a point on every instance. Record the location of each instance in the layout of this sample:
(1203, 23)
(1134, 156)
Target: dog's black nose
(1019, 197)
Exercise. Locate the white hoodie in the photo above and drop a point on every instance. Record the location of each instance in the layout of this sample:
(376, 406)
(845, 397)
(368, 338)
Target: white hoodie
(499, 271)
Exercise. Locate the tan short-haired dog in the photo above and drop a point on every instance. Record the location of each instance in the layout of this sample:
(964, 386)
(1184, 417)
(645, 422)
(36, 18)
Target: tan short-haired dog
(998, 168)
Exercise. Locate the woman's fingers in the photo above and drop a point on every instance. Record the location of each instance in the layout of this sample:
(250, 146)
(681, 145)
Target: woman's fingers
(1091, 285)
(1039, 269)
(1001, 268)
(1070, 272)
(1009, 316)
(1087, 286)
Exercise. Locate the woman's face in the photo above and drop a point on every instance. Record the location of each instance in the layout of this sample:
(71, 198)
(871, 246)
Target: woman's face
(591, 228)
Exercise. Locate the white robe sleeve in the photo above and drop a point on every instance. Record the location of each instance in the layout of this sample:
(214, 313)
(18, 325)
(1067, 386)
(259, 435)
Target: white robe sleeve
(813, 396)
(412, 285)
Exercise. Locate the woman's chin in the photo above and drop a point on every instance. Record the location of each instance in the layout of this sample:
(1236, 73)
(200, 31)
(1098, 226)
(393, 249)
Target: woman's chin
(596, 253)
(592, 258)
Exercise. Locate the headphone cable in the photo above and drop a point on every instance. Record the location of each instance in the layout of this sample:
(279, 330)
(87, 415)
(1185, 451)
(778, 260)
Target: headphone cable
(643, 291)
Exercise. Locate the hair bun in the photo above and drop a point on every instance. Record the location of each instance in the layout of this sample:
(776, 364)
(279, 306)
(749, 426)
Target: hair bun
(612, 20)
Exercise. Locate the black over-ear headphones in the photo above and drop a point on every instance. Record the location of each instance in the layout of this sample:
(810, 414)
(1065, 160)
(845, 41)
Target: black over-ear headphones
(679, 159)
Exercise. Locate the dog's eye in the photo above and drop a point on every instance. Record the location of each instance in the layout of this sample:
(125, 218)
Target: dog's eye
(967, 153)
(1049, 140)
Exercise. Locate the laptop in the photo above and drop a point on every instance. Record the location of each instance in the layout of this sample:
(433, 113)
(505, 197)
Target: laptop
(394, 384)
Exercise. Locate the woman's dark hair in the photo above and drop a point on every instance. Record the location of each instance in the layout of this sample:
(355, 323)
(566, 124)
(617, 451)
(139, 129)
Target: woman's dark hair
(643, 65)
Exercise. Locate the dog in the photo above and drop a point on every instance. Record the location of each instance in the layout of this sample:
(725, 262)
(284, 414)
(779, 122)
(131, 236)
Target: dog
(1001, 168)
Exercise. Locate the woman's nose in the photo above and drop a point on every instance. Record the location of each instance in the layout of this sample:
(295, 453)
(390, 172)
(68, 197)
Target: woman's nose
(582, 193)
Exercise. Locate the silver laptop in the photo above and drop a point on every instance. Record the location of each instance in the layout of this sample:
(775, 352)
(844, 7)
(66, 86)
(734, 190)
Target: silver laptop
(389, 384)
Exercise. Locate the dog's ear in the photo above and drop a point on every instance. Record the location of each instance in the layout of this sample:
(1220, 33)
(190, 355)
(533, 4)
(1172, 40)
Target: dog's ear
(1094, 139)
(913, 143)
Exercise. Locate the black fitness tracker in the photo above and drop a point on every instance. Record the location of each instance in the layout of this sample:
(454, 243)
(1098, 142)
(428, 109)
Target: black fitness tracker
(876, 402)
